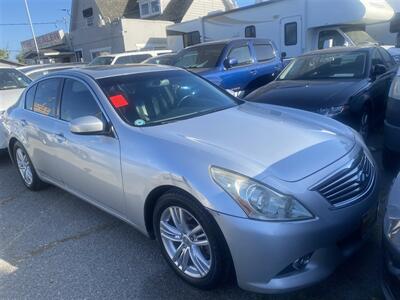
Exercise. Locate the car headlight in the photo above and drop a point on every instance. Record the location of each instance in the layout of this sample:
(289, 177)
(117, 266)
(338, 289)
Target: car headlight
(257, 200)
(332, 111)
(395, 89)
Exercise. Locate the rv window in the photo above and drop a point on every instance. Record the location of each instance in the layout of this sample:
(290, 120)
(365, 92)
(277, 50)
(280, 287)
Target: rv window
(291, 34)
(191, 38)
(264, 52)
(359, 37)
(250, 31)
(242, 54)
(329, 39)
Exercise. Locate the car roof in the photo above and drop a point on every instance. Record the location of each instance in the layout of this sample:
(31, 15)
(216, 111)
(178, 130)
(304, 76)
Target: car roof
(98, 72)
(135, 53)
(27, 69)
(366, 48)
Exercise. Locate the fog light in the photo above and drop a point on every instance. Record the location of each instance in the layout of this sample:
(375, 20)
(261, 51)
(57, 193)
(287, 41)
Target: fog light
(302, 262)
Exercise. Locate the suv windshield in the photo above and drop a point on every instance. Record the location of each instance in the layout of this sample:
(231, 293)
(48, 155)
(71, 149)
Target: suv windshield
(102, 60)
(199, 57)
(161, 97)
(326, 66)
(13, 79)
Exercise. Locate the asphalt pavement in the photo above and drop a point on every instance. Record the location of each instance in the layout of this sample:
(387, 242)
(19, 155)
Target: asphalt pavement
(56, 246)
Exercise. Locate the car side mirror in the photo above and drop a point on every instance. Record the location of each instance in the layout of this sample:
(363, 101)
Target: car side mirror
(230, 63)
(379, 69)
(87, 125)
(283, 55)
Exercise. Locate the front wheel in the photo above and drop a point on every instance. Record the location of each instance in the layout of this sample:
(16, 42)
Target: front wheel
(191, 241)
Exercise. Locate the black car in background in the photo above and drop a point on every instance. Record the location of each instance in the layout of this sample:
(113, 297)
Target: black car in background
(348, 84)
(391, 244)
(391, 153)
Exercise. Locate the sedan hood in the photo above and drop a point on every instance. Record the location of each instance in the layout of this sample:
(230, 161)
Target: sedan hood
(263, 140)
(308, 95)
(9, 97)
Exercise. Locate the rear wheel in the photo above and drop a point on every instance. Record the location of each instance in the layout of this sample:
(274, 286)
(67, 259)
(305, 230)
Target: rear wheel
(26, 169)
(191, 241)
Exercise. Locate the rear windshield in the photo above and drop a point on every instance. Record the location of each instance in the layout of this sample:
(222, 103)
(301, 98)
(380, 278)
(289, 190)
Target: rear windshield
(199, 57)
(326, 66)
(13, 79)
(102, 60)
(160, 97)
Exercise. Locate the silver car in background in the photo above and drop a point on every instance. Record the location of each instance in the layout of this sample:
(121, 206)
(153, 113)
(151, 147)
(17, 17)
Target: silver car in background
(12, 84)
(273, 196)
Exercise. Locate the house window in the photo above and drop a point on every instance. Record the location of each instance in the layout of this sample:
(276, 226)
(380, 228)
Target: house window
(291, 34)
(191, 38)
(149, 8)
(250, 31)
(88, 15)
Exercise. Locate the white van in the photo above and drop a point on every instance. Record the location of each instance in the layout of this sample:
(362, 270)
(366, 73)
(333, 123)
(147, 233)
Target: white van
(296, 26)
(126, 57)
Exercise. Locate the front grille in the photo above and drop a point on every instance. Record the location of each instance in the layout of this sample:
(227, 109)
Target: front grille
(350, 183)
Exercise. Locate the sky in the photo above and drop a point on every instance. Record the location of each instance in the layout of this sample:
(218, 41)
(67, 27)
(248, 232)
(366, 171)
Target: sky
(13, 12)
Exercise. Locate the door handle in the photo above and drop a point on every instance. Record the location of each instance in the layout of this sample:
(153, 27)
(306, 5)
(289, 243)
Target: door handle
(24, 123)
(60, 138)
(253, 72)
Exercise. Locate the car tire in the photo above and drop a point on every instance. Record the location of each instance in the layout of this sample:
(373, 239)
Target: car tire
(364, 128)
(25, 168)
(213, 262)
(390, 160)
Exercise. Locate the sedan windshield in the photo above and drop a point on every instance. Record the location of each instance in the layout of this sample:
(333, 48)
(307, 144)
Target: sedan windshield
(199, 57)
(161, 97)
(13, 79)
(102, 60)
(326, 66)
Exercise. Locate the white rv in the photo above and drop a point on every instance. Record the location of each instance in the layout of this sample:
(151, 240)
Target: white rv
(296, 26)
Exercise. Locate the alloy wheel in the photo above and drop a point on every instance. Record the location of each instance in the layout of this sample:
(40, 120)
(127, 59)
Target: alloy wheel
(364, 125)
(24, 166)
(185, 242)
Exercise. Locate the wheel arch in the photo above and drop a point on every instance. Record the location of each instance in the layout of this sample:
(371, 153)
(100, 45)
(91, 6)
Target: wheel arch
(11, 144)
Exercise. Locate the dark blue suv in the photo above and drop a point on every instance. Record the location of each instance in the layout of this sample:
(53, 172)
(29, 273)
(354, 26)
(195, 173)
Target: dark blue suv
(239, 66)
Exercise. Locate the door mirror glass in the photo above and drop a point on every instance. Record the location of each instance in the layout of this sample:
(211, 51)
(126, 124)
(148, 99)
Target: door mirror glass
(379, 69)
(231, 62)
(87, 125)
(283, 55)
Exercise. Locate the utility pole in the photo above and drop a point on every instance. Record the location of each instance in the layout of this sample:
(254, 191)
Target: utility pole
(33, 32)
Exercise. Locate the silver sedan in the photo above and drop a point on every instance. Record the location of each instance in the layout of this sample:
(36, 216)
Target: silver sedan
(274, 197)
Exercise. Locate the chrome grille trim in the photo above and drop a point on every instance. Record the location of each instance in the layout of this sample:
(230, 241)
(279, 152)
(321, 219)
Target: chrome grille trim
(350, 183)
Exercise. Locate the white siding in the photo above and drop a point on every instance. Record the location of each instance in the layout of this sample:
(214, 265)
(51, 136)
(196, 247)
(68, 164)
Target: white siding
(201, 8)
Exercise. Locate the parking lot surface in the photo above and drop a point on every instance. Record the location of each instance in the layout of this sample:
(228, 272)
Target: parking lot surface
(54, 245)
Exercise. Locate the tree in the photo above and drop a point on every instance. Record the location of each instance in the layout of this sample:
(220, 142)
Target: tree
(20, 58)
(4, 54)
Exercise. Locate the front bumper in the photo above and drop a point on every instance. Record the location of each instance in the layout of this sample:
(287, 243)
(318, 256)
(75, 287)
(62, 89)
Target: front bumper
(3, 137)
(263, 252)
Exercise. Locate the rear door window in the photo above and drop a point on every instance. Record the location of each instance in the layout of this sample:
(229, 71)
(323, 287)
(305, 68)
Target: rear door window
(77, 101)
(264, 52)
(242, 54)
(47, 96)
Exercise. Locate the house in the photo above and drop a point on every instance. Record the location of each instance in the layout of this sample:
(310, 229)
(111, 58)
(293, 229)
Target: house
(54, 47)
(100, 26)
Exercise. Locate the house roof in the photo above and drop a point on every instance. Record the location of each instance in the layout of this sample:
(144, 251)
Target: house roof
(174, 11)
